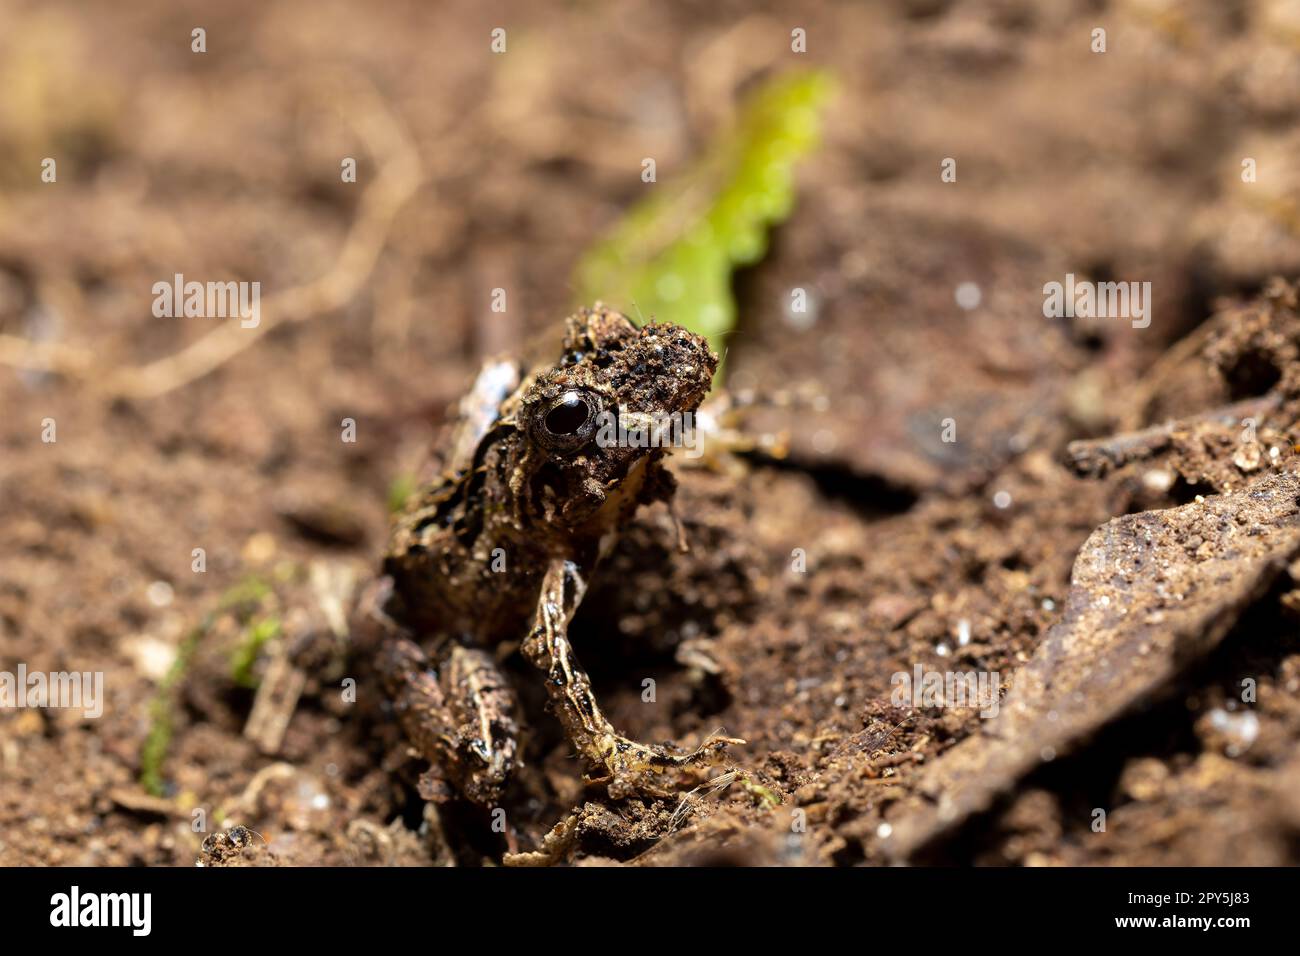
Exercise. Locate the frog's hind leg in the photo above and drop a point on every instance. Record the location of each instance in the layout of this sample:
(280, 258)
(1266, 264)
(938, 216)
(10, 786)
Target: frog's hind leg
(463, 723)
(547, 647)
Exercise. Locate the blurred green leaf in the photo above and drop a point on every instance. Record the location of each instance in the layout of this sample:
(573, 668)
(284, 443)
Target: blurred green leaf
(153, 752)
(246, 653)
(671, 257)
(241, 600)
(402, 487)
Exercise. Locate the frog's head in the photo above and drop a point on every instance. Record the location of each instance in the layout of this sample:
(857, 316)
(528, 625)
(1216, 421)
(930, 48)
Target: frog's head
(618, 399)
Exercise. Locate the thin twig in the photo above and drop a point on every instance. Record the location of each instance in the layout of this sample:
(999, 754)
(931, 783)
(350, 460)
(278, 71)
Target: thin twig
(1098, 456)
(398, 180)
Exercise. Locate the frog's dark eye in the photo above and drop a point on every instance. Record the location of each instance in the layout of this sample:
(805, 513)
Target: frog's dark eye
(567, 415)
(569, 420)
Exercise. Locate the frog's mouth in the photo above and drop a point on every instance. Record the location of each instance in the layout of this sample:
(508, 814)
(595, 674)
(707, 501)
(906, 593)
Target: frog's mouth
(580, 496)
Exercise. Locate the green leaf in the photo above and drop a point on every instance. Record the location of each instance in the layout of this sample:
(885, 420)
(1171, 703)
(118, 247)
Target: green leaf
(672, 255)
(153, 752)
(246, 653)
(402, 487)
(242, 600)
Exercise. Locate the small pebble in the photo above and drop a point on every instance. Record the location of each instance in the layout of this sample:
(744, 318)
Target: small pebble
(1158, 480)
(968, 296)
(824, 441)
(159, 594)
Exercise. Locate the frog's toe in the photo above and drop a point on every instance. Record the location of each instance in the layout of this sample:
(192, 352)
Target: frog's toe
(705, 753)
(632, 765)
(486, 741)
(461, 721)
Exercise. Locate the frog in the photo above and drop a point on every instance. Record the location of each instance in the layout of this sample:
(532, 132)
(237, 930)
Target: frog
(502, 536)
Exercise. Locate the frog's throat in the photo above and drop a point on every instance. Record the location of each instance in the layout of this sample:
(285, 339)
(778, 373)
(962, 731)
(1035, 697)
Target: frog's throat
(619, 505)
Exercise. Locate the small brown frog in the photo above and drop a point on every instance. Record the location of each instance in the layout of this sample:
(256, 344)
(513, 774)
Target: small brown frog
(499, 544)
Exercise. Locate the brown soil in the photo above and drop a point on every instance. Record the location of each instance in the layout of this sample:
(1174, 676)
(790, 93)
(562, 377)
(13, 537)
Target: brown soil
(1122, 685)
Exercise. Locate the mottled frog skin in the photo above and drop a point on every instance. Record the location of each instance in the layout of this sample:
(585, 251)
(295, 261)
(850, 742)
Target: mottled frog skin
(498, 544)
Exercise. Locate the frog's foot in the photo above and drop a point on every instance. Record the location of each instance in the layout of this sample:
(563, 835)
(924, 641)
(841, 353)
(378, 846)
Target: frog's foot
(631, 766)
(554, 846)
(724, 433)
(463, 723)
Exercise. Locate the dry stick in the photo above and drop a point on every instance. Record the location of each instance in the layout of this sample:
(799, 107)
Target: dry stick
(398, 180)
(71, 361)
(380, 204)
(275, 703)
(1098, 456)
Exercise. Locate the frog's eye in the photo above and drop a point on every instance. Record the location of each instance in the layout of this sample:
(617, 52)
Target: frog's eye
(569, 420)
(568, 415)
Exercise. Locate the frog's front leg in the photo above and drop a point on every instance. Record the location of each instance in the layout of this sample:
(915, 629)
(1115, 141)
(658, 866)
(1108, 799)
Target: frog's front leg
(461, 721)
(547, 647)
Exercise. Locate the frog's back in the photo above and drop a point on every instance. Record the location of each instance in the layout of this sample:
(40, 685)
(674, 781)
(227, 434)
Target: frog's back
(446, 578)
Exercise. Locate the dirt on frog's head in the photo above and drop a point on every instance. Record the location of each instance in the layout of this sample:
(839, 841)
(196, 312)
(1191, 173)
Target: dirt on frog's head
(617, 400)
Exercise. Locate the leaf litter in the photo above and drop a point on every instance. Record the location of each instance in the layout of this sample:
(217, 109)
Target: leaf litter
(1150, 594)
